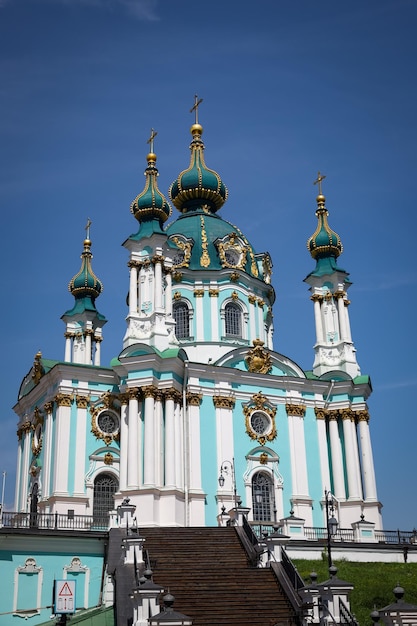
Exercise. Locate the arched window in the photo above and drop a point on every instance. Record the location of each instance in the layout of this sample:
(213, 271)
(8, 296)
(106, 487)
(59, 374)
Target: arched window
(233, 320)
(105, 485)
(182, 319)
(262, 497)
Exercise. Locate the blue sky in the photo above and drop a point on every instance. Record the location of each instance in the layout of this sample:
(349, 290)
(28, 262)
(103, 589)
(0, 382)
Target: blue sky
(289, 88)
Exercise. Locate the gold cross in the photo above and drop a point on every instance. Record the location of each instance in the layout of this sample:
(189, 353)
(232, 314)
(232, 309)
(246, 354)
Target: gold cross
(151, 138)
(197, 103)
(320, 177)
(87, 228)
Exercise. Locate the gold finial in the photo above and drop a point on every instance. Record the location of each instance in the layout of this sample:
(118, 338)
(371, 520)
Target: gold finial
(151, 138)
(197, 103)
(87, 228)
(320, 177)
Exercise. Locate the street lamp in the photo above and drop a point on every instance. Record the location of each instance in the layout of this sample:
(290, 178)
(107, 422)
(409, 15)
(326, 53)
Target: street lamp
(331, 524)
(225, 468)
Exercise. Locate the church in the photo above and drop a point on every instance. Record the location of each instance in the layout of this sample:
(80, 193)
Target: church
(197, 413)
(198, 441)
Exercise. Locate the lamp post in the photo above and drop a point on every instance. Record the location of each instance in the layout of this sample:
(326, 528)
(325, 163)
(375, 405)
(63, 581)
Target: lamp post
(331, 524)
(225, 468)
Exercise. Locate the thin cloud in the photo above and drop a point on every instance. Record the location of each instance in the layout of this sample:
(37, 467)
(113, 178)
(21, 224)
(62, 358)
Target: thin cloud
(145, 10)
(401, 384)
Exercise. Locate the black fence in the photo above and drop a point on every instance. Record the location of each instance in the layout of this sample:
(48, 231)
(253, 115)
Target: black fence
(53, 521)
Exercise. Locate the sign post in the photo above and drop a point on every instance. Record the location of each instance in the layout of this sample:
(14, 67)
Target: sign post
(64, 598)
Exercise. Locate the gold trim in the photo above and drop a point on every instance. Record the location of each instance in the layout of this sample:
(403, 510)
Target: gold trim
(198, 293)
(258, 360)
(224, 402)
(296, 410)
(108, 458)
(194, 399)
(260, 403)
(82, 402)
(205, 258)
(63, 399)
(214, 293)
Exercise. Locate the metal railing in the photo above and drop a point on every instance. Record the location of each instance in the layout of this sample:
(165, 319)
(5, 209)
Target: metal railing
(53, 521)
(343, 535)
(291, 571)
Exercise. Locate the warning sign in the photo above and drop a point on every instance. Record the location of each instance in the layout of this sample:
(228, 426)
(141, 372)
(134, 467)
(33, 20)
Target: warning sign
(64, 596)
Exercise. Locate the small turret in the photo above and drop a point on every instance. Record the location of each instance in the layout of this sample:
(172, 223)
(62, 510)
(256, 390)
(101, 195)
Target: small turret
(329, 283)
(83, 322)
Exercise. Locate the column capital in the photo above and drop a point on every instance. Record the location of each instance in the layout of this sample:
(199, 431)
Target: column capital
(224, 402)
(333, 415)
(321, 413)
(82, 401)
(194, 399)
(132, 393)
(362, 416)
(316, 297)
(63, 399)
(149, 392)
(296, 410)
(347, 414)
(48, 407)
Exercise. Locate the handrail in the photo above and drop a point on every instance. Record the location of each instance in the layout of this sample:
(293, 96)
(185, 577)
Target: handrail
(53, 521)
(343, 535)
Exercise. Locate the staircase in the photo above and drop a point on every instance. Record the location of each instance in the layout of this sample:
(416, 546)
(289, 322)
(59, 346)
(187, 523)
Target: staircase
(208, 572)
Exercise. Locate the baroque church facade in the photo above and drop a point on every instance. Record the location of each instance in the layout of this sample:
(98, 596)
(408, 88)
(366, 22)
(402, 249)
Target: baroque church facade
(198, 413)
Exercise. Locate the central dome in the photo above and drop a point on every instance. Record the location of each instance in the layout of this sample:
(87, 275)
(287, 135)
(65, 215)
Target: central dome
(198, 187)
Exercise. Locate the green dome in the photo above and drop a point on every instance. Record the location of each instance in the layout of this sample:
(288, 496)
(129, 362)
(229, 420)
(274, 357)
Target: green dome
(85, 284)
(206, 233)
(151, 203)
(198, 186)
(324, 242)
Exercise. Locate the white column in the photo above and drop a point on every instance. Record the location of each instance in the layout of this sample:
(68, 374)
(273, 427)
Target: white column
(88, 333)
(199, 316)
(158, 439)
(169, 439)
(47, 458)
(194, 443)
(149, 443)
(342, 317)
(168, 294)
(367, 457)
(68, 344)
(323, 451)
(346, 315)
(18, 487)
(352, 458)
(80, 436)
(133, 288)
(25, 469)
(158, 284)
(261, 330)
(214, 312)
(133, 440)
(97, 354)
(317, 317)
(336, 455)
(61, 440)
(252, 318)
(179, 456)
(124, 439)
(298, 455)
(225, 447)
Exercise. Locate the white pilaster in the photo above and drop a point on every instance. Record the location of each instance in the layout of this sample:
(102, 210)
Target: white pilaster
(351, 455)
(133, 288)
(169, 439)
(367, 457)
(199, 313)
(124, 445)
(168, 293)
(158, 440)
(68, 345)
(336, 455)
(47, 458)
(323, 449)
(214, 304)
(318, 319)
(297, 450)
(62, 437)
(149, 440)
(81, 434)
(133, 440)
